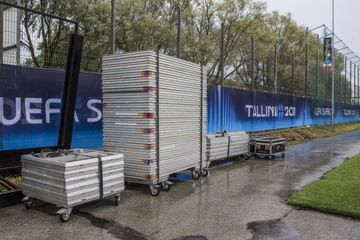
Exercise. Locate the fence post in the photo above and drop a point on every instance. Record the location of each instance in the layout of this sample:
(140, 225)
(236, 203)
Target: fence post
(178, 36)
(355, 83)
(339, 86)
(1, 33)
(306, 61)
(275, 69)
(70, 88)
(350, 82)
(293, 76)
(317, 66)
(112, 31)
(264, 73)
(345, 87)
(253, 63)
(222, 55)
(358, 86)
(18, 31)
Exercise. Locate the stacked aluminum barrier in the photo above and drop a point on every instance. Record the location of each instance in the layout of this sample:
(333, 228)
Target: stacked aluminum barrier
(72, 178)
(238, 143)
(217, 146)
(152, 114)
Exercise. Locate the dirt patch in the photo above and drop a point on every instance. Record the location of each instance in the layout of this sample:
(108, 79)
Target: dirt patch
(15, 180)
(299, 135)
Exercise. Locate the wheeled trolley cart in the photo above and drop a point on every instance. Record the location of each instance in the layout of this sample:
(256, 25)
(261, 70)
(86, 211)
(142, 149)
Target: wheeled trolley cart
(238, 144)
(223, 145)
(217, 146)
(70, 178)
(267, 147)
(154, 113)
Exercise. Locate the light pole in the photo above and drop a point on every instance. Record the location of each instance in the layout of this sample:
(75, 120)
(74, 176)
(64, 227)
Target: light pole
(333, 65)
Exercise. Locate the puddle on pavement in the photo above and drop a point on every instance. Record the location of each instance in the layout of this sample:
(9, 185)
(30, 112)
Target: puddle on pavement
(117, 230)
(272, 229)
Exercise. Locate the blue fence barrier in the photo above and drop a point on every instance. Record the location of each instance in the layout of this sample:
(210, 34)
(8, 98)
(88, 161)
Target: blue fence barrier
(240, 110)
(30, 101)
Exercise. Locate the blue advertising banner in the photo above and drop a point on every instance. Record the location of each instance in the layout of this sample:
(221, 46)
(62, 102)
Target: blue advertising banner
(240, 110)
(30, 101)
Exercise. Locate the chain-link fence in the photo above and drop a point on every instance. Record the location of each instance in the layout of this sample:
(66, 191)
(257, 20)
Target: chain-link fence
(38, 39)
(344, 65)
(299, 66)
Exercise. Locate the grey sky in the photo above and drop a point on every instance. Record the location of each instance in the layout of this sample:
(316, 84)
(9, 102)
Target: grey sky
(313, 13)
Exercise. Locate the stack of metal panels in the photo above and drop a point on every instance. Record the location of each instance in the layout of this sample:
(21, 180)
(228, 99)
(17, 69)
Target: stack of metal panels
(238, 143)
(72, 178)
(217, 146)
(152, 114)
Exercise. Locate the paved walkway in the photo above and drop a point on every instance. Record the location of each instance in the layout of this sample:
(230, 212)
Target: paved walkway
(239, 200)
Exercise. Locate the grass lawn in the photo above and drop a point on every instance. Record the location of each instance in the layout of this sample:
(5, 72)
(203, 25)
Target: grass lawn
(336, 192)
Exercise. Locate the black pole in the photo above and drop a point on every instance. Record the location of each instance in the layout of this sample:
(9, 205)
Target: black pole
(263, 74)
(339, 87)
(293, 75)
(253, 63)
(275, 69)
(317, 66)
(222, 55)
(1, 35)
(350, 82)
(345, 87)
(70, 91)
(358, 80)
(354, 82)
(325, 82)
(306, 61)
(339, 84)
(112, 31)
(178, 37)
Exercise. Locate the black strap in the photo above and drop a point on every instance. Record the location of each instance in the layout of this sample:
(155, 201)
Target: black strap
(101, 180)
(228, 150)
(157, 115)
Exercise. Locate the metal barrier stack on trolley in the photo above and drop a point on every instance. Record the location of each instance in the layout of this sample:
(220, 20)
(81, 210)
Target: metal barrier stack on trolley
(154, 113)
(70, 178)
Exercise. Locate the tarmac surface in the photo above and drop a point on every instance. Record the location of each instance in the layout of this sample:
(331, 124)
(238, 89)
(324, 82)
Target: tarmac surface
(239, 200)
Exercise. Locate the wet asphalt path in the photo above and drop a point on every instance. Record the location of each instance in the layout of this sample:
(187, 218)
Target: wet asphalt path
(239, 200)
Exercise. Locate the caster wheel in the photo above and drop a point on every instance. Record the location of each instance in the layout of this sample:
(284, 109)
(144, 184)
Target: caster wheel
(28, 204)
(165, 186)
(154, 190)
(195, 175)
(64, 217)
(204, 172)
(247, 157)
(116, 200)
(283, 155)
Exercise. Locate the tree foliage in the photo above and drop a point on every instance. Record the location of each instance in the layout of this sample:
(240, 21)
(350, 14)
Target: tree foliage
(152, 25)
